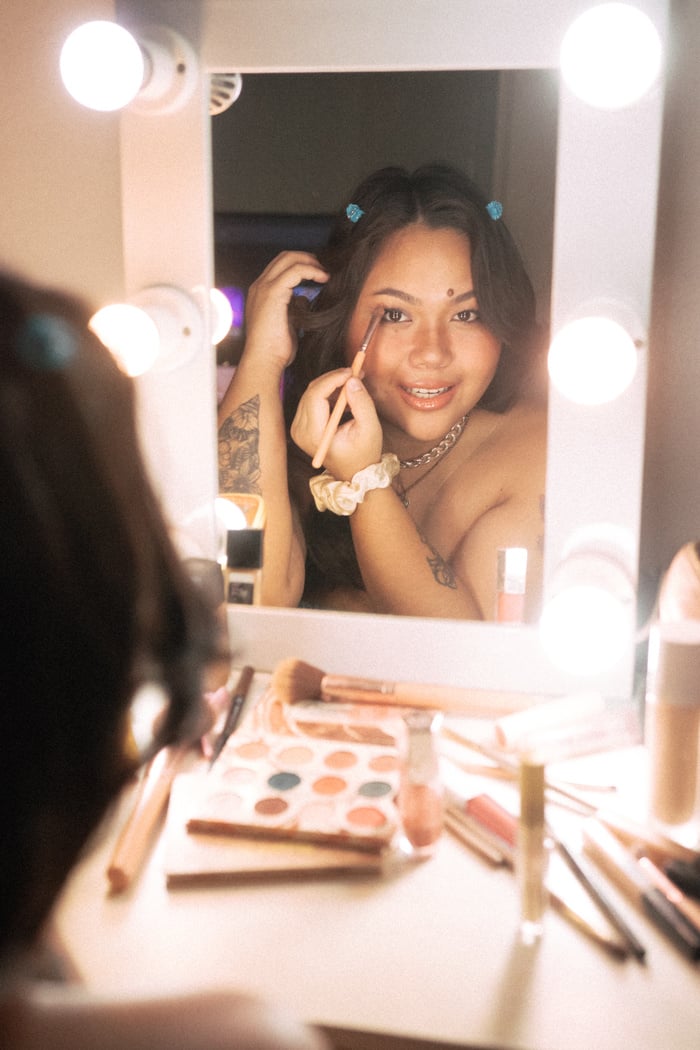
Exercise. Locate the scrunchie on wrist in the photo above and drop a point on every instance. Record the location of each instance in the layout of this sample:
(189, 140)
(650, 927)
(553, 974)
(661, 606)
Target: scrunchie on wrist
(342, 497)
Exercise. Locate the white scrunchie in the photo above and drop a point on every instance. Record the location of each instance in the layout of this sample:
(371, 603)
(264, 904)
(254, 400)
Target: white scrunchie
(342, 497)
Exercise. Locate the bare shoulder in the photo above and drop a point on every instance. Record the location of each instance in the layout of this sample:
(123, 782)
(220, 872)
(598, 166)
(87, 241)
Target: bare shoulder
(523, 429)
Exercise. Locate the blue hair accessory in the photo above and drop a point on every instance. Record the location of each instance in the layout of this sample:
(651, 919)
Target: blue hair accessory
(495, 209)
(354, 212)
(46, 342)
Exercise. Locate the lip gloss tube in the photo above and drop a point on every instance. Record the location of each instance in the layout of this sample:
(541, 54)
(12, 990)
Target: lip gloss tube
(531, 855)
(421, 794)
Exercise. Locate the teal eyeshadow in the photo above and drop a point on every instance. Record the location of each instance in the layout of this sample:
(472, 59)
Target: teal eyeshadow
(375, 789)
(283, 781)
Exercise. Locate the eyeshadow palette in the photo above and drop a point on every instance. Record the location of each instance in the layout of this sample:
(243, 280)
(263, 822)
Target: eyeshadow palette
(301, 788)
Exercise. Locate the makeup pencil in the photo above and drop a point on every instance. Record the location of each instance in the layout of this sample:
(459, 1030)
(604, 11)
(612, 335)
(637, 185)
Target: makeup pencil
(339, 407)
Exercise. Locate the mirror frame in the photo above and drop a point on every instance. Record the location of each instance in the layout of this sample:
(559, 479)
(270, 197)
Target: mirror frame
(605, 217)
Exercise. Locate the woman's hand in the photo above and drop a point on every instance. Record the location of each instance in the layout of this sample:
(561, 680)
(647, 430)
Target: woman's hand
(269, 332)
(358, 442)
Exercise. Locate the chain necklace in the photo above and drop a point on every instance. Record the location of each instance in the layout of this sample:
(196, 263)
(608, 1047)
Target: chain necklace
(444, 445)
(433, 456)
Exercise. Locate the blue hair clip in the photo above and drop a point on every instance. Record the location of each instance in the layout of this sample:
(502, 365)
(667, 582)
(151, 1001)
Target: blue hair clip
(354, 212)
(46, 342)
(495, 209)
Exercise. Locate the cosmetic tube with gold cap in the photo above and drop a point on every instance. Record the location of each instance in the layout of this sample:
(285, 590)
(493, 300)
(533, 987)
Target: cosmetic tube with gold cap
(531, 855)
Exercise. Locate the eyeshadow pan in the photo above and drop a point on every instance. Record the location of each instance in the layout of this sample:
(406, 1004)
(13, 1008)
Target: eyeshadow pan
(384, 763)
(284, 781)
(340, 760)
(296, 755)
(252, 749)
(329, 785)
(270, 807)
(366, 817)
(374, 789)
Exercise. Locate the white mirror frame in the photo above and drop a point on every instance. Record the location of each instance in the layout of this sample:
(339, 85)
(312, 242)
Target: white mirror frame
(605, 215)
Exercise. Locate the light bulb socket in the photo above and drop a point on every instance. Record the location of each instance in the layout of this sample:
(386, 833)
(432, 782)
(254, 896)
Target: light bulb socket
(171, 72)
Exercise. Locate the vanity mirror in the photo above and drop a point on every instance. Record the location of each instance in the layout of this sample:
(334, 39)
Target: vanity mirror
(607, 169)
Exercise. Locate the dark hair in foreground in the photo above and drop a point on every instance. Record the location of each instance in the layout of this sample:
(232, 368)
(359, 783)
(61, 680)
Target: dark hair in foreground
(93, 599)
(440, 197)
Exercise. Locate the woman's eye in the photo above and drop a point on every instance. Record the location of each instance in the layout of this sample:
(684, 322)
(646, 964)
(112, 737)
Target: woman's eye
(393, 315)
(470, 316)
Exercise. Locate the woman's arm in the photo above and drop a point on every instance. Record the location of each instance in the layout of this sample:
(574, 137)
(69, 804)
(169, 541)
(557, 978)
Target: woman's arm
(252, 438)
(440, 572)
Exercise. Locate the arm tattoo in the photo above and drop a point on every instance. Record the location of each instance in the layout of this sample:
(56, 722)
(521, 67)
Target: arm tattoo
(442, 571)
(239, 455)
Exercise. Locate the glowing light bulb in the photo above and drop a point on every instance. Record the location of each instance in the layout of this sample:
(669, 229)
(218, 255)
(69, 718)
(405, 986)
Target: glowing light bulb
(584, 629)
(588, 620)
(102, 66)
(611, 55)
(222, 315)
(130, 334)
(592, 360)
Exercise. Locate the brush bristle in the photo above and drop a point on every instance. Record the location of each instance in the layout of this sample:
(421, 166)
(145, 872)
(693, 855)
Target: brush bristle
(294, 680)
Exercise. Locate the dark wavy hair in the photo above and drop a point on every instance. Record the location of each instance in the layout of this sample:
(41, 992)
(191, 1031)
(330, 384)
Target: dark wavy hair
(392, 198)
(93, 598)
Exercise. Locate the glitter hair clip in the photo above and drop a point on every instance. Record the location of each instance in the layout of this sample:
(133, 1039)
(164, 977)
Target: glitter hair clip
(46, 342)
(495, 209)
(354, 212)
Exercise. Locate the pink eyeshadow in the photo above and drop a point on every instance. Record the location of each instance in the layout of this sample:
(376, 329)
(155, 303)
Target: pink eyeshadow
(252, 749)
(366, 817)
(384, 763)
(329, 785)
(238, 775)
(341, 759)
(295, 756)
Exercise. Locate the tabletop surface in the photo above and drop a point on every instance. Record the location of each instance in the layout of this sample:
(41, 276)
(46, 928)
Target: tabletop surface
(427, 951)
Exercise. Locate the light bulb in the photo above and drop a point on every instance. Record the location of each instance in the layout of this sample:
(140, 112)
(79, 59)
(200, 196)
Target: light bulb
(584, 629)
(611, 55)
(222, 315)
(102, 65)
(131, 335)
(592, 360)
(587, 623)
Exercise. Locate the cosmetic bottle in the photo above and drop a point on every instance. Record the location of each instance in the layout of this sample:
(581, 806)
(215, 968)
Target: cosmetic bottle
(243, 571)
(532, 852)
(672, 726)
(421, 796)
(511, 574)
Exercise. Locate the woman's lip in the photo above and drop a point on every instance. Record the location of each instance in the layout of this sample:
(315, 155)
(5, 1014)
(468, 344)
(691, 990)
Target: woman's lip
(427, 398)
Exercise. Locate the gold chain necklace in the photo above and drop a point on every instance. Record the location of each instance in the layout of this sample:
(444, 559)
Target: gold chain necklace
(433, 456)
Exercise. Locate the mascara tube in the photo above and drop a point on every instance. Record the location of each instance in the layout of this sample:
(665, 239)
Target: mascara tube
(531, 855)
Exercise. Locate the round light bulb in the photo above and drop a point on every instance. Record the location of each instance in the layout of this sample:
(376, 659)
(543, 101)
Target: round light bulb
(102, 66)
(585, 628)
(130, 334)
(221, 315)
(611, 55)
(592, 360)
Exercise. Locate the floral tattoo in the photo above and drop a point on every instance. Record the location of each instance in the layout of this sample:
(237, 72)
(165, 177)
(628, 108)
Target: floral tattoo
(239, 455)
(442, 571)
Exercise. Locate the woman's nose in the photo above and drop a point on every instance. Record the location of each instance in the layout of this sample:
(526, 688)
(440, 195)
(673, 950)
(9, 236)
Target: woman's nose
(431, 348)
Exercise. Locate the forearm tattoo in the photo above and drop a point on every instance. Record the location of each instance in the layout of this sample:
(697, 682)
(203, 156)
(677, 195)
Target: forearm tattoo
(442, 571)
(239, 452)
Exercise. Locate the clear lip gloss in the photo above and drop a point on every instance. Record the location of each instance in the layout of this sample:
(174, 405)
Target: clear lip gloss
(421, 796)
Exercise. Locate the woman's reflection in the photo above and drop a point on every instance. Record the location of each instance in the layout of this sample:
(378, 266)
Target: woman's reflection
(442, 450)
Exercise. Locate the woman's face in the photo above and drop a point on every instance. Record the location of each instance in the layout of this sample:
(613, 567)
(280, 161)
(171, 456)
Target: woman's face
(431, 358)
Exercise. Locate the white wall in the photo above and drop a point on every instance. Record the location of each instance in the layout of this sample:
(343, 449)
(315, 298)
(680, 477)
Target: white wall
(60, 216)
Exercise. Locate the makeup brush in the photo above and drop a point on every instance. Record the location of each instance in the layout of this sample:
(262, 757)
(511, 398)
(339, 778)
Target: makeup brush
(295, 680)
(339, 407)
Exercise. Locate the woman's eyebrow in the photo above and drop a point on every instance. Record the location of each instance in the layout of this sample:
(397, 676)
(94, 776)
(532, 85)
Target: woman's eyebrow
(407, 298)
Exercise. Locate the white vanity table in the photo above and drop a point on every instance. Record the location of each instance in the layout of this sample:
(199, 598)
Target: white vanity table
(429, 952)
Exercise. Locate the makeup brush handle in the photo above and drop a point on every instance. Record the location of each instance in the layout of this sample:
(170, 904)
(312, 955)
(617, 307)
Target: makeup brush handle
(151, 799)
(445, 698)
(336, 414)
